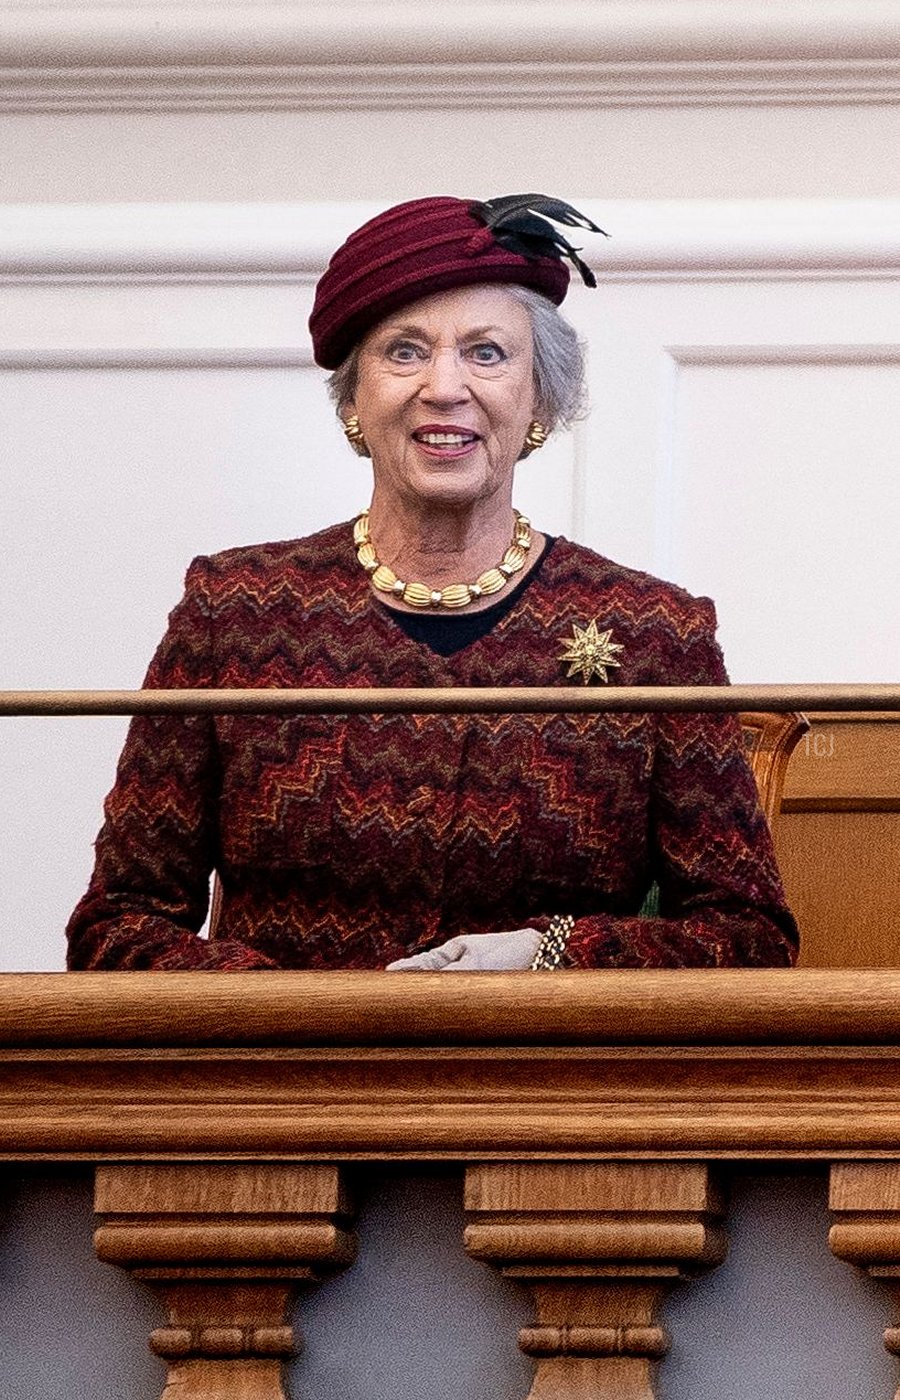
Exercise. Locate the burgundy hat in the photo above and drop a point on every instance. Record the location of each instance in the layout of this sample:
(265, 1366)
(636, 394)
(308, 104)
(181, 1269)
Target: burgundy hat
(432, 245)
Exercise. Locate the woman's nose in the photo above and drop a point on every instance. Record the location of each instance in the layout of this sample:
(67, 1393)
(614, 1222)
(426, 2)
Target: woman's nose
(445, 379)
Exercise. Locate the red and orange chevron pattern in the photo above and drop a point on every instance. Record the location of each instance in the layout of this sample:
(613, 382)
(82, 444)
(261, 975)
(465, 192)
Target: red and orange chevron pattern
(350, 842)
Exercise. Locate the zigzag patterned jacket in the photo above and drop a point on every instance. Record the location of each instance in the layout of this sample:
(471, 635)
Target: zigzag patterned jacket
(347, 842)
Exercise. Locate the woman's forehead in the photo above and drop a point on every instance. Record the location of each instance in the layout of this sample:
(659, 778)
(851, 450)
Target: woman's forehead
(461, 311)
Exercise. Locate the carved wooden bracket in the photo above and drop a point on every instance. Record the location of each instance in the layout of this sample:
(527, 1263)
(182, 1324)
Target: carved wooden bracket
(225, 1246)
(865, 1201)
(600, 1244)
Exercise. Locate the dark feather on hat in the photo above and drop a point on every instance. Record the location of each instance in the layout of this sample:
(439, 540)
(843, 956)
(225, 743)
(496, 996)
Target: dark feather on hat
(519, 223)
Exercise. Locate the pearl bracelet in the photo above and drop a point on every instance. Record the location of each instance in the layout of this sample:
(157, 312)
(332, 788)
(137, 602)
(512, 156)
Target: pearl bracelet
(553, 944)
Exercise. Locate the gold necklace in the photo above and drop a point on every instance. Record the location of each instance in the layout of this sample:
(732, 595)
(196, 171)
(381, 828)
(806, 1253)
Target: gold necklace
(455, 595)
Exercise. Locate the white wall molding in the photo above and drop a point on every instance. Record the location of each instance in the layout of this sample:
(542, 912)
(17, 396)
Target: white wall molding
(268, 243)
(170, 242)
(148, 357)
(178, 55)
(452, 86)
(733, 355)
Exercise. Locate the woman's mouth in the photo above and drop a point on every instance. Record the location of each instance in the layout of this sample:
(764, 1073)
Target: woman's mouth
(448, 441)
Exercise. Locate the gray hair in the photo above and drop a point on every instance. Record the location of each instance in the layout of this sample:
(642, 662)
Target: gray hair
(559, 363)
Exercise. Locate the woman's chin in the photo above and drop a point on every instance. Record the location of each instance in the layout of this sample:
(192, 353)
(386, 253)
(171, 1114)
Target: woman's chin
(449, 493)
(454, 483)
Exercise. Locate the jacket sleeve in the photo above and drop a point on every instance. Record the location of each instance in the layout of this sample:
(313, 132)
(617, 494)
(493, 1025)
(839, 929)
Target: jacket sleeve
(149, 891)
(721, 901)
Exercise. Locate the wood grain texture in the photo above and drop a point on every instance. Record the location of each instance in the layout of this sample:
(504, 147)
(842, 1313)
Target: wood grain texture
(865, 1203)
(237, 1191)
(846, 762)
(600, 1244)
(771, 738)
(535, 1186)
(862, 1186)
(814, 1102)
(585, 1065)
(680, 1007)
(841, 871)
(838, 841)
(224, 1246)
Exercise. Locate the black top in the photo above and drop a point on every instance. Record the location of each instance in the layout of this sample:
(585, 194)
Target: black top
(448, 632)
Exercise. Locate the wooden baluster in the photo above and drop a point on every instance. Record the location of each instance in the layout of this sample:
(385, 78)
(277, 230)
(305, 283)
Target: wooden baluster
(865, 1202)
(600, 1244)
(225, 1246)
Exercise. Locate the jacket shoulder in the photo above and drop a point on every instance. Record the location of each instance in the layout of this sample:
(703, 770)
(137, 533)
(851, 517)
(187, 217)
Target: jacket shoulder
(279, 567)
(633, 594)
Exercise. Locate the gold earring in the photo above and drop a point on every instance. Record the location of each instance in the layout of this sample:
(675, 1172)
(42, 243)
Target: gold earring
(535, 437)
(355, 436)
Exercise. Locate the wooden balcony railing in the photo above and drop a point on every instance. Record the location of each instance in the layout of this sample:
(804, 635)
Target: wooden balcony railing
(452, 700)
(592, 1112)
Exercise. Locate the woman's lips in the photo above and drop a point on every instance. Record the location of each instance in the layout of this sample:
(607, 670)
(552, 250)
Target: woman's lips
(446, 441)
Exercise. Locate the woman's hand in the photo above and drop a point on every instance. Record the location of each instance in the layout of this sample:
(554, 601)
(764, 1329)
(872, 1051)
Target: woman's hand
(475, 952)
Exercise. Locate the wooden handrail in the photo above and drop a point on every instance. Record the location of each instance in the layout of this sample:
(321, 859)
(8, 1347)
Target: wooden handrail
(714, 1007)
(453, 700)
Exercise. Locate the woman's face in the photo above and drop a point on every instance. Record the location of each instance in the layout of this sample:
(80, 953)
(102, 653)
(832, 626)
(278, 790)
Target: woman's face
(445, 396)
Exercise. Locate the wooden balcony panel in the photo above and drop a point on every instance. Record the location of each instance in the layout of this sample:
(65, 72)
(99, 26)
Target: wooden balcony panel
(669, 1065)
(838, 840)
(846, 762)
(591, 1111)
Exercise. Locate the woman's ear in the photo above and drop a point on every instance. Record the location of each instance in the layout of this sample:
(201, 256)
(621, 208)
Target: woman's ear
(352, 431)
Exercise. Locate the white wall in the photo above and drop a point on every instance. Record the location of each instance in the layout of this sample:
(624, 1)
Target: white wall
(173, 179)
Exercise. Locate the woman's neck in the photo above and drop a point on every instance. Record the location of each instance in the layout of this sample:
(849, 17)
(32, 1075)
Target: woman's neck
(438, 547)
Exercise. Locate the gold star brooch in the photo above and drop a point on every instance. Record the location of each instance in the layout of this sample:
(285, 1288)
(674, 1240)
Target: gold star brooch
(589, 652)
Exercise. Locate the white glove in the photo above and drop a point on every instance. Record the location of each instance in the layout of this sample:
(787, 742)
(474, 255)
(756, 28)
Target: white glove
(475, 952)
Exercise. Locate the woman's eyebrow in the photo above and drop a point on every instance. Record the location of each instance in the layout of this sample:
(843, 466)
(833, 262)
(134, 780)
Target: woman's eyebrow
(485, 330)
(395, 328)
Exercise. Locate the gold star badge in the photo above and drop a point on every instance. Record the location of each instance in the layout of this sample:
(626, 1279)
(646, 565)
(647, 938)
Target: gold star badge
(589, 652)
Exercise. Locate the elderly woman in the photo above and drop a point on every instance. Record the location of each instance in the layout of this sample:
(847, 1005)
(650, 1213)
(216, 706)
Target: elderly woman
(441, 841)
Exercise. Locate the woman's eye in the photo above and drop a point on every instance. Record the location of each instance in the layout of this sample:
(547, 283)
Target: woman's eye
(405, 352)
(487, 353)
